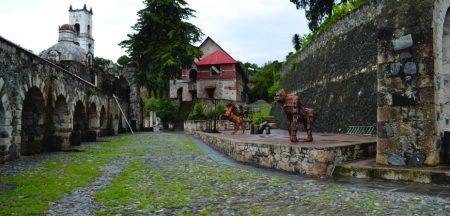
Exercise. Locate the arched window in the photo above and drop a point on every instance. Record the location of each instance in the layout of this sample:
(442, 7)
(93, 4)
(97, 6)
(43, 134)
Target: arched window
(77, 29)
(193, 75)
(89, 30)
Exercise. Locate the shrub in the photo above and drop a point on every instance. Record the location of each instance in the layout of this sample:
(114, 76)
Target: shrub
(258, 118)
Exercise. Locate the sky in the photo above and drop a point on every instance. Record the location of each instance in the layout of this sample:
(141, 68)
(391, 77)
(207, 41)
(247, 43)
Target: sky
(255, 31)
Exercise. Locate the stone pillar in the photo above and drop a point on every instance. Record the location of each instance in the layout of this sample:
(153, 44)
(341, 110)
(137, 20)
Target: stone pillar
(406, 105)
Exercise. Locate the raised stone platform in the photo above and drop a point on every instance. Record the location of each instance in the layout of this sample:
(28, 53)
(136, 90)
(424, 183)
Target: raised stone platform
(317, 158)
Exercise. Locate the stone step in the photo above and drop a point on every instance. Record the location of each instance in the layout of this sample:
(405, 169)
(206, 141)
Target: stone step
(370, 170)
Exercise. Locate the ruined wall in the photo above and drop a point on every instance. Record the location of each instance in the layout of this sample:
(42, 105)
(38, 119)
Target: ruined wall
(406, 85)
(336, 74)
(39, 99)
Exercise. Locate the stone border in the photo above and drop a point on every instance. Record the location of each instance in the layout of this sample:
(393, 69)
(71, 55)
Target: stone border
(316, 162)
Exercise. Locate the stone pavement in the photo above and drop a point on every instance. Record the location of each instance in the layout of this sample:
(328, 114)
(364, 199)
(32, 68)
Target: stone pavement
(166, 174)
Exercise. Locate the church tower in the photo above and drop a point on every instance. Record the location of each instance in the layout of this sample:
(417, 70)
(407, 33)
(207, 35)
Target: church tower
(81, 20)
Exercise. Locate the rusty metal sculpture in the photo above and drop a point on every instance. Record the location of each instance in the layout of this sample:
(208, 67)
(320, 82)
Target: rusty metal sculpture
(235, 118)
(296, 114)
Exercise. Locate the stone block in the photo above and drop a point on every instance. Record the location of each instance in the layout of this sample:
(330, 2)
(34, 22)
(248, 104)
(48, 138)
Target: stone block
(321, 156)
(386, 114)
(410, 68)
(403, 42)
(405, 55)
(385, 146)
(318, 169)
(395, 68)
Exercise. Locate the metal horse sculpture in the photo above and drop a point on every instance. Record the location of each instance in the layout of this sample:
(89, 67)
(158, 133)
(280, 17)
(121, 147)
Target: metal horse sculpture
(236, 119)
(296, 114)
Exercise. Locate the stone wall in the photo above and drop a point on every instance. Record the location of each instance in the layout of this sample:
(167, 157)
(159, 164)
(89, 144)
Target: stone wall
(39, 100)
(337, 73)
(312, 161)
(407, 116)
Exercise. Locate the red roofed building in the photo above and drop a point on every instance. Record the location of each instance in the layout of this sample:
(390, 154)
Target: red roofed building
(215, 75)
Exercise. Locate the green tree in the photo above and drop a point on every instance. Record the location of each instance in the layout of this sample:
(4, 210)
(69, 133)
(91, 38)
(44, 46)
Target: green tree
(164, 108)
(161, 44)
(249, 68)
(123, 60)
(317, 10)
(263, 81)
(296, 41)
(101, 63)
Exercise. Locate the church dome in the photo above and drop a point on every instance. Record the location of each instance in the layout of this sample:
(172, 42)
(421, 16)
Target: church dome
(66, 27)
(65, 50)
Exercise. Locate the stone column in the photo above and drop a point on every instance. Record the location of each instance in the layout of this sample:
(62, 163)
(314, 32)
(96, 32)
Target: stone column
(406, 106)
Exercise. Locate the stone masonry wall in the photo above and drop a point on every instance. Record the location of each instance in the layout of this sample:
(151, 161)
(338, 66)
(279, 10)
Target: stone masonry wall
(318, 162)
(336, 74)
(22, 72)
(406, 84)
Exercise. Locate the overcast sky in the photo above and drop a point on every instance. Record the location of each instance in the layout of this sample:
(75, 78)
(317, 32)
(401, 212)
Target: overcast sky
(255, 31)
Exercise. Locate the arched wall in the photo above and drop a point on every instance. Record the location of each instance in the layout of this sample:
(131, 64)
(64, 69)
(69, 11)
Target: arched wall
(33, 122)
(441, 45)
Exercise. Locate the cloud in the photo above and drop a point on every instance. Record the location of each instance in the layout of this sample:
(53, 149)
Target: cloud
(256, 31)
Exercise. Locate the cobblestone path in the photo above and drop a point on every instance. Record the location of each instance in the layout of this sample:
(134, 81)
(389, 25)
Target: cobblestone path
(168, 174)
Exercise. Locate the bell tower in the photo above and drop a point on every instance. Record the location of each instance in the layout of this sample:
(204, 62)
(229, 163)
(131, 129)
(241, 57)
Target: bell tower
(81, 20)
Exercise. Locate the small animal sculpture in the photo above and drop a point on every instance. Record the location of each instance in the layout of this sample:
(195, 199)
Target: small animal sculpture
(296, 113)
(233, 117)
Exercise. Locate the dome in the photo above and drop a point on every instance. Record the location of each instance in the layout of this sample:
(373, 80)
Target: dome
(65, 50)
(66, 27)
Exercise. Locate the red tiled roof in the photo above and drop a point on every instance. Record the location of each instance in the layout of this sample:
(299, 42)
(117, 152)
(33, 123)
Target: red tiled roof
(217, 57)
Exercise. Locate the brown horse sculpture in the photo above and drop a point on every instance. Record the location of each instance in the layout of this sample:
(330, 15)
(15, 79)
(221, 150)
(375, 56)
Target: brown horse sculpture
(296, 114)
(233, 117)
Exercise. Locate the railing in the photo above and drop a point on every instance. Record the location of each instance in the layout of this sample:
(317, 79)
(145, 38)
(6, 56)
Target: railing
(361, 130)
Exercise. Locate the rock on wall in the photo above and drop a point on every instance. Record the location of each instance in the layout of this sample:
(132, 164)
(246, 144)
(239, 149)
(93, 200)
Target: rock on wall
(337, 73)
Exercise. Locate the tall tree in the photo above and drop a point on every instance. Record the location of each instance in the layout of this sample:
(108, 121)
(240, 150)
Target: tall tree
(162, 43)
(317, 10)
(123, 60)
(296, 41)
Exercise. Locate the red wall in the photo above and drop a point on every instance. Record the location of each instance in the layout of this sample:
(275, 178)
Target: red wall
(228, 72)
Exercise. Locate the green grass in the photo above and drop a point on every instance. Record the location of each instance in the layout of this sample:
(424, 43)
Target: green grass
(51, 180)
(47, 182)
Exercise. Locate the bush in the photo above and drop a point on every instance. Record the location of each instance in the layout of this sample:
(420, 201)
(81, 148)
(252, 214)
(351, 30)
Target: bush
(198, 113)
(258, 118)
(164, 108)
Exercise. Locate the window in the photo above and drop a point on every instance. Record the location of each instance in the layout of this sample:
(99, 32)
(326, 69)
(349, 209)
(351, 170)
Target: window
(215, 70)
(193, 75)
(77, 29)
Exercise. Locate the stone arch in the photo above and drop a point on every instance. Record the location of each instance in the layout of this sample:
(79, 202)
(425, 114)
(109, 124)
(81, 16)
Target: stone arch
(34, 121)
(180, 94)
(115, 124)
(441, 47)
(93, 117)
(121, 128)
(103, 121)
(63, 121)
(79, 123)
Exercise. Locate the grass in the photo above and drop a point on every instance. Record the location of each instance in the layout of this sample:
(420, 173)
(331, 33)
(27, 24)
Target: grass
(47, 182)
(51, 180)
